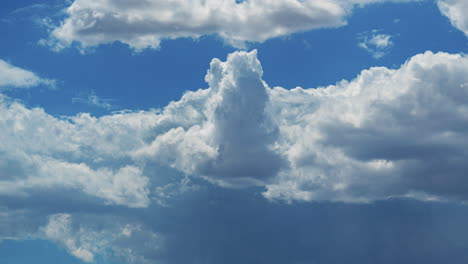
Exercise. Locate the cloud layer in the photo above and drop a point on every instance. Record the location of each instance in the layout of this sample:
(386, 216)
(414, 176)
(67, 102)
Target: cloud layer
(387, 133)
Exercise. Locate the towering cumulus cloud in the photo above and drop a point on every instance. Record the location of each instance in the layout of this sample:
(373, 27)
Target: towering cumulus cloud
(143, 24)
(387, 133)
(233, 143)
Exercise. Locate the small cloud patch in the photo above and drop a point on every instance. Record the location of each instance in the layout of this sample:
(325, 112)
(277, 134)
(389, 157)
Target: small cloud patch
(93, 100)
(376, 43)
(12, 77)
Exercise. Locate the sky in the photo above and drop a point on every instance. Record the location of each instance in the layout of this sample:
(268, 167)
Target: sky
(224, 131)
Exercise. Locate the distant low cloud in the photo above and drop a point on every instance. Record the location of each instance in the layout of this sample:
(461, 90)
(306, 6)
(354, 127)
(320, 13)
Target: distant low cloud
(143, 24)
(14, 77)
(91, 184)
(376, 43)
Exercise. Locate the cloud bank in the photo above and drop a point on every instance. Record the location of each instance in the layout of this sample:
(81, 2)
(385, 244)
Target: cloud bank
(376, 136)
(387, 133)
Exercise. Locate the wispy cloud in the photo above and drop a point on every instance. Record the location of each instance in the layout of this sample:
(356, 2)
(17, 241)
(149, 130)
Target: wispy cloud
(376, 43)
(93, 100)
(36, 13)
(15, 77)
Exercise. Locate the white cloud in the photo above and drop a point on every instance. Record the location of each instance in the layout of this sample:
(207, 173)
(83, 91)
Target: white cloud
(387, 133)
(375, 137)
(381, 130)
(14, 77)
(456, 11)
(377, 44)
(232, 141)
(144, 24)
(85, 240)
(58, 229)
(42, 152)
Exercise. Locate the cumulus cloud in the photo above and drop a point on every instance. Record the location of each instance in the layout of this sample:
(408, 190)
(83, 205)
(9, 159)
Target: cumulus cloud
(41, 152)
(387, 133)
(14, 77)
(378, 136)
(377, 44)
(144, 24)
(456, 11)
(233, 143)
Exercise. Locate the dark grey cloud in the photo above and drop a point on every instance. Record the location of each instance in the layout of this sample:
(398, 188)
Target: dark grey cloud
(231, 226)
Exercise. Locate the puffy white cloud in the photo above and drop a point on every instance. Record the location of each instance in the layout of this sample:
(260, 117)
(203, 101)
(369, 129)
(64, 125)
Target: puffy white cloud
(14, 77)
(378, 136)
(377, 44)
(143, 24)
(42, 152)
(387, 133)
(456, 11)
(233, 142)
(370, 138)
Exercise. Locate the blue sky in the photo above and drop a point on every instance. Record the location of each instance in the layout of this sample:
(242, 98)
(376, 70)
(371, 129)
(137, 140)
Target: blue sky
(125, 141)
